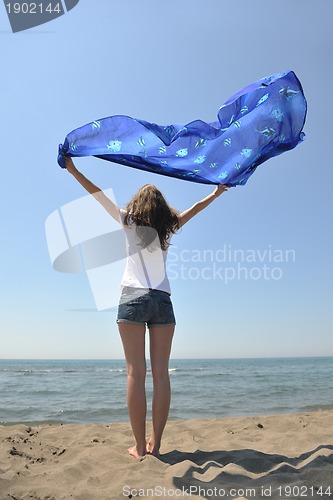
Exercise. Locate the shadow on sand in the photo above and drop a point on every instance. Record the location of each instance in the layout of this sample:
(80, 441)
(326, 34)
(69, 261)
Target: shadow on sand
(249, 473)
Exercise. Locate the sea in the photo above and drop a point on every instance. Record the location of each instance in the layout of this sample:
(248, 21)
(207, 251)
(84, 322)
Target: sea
(94, 391)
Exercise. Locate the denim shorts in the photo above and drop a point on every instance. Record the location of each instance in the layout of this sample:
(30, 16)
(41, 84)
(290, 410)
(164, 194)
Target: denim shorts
(143, 305)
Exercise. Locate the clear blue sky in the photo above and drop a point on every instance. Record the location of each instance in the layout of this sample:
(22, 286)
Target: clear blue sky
(168, 62)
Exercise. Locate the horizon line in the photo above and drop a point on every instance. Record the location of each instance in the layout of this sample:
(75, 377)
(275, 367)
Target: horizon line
(172, 359)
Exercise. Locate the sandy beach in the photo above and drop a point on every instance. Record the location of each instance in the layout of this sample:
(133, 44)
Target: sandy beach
(279, 456)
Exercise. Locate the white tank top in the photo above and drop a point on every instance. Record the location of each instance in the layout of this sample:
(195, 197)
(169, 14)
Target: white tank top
(144, 268)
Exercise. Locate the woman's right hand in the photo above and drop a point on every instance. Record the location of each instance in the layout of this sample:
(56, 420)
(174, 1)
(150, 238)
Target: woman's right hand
(69, 164)
(221, 188)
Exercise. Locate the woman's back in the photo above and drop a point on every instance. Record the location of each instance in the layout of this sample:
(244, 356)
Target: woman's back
(146, 261)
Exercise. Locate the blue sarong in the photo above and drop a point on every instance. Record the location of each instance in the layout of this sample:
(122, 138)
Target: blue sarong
(260, 121)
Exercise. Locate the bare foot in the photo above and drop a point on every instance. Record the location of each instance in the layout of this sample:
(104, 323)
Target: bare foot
(134, 452)
(152, 450)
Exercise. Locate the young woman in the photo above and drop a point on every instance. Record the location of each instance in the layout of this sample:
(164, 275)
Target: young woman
(149, 223)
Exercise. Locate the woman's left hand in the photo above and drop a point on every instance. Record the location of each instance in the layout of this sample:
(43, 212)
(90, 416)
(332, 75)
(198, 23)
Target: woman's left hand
(69, 164)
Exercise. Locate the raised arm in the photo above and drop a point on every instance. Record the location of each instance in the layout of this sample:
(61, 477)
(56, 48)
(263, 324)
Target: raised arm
(97, 193)
(200, 205)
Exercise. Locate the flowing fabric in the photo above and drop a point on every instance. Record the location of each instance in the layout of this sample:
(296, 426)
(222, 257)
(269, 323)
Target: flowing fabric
(260, 121)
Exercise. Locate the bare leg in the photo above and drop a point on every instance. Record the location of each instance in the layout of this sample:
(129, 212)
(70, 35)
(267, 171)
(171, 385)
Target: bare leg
(133, 338)
(160, 348)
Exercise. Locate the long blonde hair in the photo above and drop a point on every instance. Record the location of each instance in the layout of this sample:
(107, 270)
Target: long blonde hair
(149, 208)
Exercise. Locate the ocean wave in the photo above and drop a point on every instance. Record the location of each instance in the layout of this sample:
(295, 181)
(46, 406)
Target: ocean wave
(317, 407)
